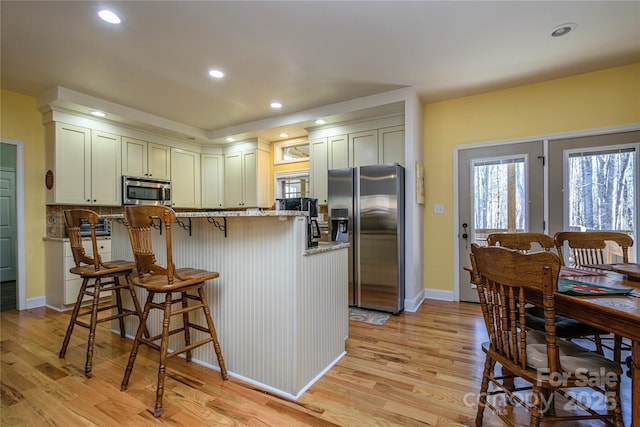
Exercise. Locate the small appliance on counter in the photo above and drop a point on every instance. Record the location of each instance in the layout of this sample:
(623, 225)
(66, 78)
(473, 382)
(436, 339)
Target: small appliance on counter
(308, 205)
(103, 228)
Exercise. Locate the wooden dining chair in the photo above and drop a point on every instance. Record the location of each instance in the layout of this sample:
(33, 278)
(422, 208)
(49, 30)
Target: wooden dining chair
(565, 327)
(98, 279)
(167, 280)
(590, 248)
(550, 366)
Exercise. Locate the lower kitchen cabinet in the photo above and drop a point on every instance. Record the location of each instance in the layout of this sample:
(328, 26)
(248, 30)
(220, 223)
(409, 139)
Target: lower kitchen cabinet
(62, 286)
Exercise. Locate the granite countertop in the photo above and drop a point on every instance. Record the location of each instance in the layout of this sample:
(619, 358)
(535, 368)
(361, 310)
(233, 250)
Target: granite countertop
(221, 214)
(66, 239)
(326, 247)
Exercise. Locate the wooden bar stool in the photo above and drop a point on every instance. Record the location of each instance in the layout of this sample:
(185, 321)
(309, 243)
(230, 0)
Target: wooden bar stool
(98, 278)
(158, 279)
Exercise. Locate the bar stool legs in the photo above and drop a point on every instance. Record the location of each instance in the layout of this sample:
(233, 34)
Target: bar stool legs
(94, 290)
(185, 309)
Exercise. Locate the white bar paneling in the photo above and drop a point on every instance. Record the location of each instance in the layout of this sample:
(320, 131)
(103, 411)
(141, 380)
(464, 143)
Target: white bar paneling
(281, 316)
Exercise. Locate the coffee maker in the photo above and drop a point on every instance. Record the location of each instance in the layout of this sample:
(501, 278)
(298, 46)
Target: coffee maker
(304, 204)
(339, 225)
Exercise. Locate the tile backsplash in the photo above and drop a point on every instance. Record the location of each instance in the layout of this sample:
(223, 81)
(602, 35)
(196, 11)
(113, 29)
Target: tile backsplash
(55, 216)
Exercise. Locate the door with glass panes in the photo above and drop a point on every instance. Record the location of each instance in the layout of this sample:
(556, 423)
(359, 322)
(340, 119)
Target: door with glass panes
(594, 180)
(500, 189)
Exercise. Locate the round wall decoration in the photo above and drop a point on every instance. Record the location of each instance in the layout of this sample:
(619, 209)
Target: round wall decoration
(48, 179)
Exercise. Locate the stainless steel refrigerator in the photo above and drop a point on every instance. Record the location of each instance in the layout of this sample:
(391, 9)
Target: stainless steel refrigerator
(366, 208)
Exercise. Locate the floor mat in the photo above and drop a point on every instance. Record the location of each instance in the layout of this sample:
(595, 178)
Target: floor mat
(367, 316)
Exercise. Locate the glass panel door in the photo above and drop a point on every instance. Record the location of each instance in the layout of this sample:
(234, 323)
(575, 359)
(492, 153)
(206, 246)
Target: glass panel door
(500, 188)
(499, 197)
(602, 192)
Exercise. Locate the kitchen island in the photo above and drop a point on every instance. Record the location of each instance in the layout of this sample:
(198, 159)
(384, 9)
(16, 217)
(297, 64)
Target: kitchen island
(280, 309)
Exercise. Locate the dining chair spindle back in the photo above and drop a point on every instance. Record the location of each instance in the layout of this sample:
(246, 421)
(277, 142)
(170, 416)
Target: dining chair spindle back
(503, 277)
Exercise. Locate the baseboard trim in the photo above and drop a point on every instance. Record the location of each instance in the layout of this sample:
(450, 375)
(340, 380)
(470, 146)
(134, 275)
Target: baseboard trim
(36, 302)
(412, 305)
(439, 294)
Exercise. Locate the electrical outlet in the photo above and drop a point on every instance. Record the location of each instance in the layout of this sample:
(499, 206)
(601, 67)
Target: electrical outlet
(438, 208)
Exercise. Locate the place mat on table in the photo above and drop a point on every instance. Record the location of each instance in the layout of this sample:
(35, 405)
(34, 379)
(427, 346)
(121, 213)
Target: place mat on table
(574, 272)
(574, 287)
(632, 270)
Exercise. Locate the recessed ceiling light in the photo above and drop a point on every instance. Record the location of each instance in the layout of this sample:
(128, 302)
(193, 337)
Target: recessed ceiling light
(562, 30)
(216, 74)
(230, 139)
(109, 16)
(99, 114)
(320, 122)
(276, 104)
(283, 135)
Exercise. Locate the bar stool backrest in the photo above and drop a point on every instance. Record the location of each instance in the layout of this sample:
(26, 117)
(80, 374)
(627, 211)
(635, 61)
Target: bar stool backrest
(140, 222)
(73, 219)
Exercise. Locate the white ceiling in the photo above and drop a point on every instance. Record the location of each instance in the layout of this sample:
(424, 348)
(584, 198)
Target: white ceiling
(306, 54)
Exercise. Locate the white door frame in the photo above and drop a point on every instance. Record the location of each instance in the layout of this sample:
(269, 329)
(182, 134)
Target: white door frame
(20, 250)
(546, 139)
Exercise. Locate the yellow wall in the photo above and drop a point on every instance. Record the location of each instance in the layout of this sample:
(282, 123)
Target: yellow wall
(593, 100)
(20, 120)
(605, 98)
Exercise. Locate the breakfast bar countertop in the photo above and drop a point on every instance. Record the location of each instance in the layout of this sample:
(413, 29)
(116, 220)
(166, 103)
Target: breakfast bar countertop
(222, 214)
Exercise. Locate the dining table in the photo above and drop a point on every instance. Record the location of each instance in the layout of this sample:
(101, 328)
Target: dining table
(592, 299)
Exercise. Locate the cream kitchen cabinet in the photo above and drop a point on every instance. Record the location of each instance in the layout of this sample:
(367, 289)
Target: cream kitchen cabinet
(185, 178)
(247, 178)
(338, 151)
(62, 286)
(212, 173)
(391, 145)
(377, 146)
(364, 148)
(142, 158)
(85, 166)
(319, 165)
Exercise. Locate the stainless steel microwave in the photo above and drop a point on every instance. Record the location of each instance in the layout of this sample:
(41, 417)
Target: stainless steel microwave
(145, 191)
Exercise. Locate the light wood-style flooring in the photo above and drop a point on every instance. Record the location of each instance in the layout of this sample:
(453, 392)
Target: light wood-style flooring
(420, 368)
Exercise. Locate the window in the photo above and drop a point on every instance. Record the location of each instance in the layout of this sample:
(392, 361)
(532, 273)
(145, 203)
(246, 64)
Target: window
(295, 150)
(292, 184)
(602, 190)
(499, 197)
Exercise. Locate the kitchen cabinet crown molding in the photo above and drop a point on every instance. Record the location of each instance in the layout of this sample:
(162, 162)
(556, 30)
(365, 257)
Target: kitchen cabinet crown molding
(59, 114)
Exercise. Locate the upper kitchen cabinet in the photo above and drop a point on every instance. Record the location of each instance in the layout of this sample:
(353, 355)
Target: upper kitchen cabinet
(247, 177)
(377, 146)
(391, 145)
(85, 166)
(338, 147)
(319, 166)
(364, 148)
(185, 178)
(212, 167)
(142, 158)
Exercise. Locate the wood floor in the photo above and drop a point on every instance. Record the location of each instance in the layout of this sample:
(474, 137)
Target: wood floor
(417, 369)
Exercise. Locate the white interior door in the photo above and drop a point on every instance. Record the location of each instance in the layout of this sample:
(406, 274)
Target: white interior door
(7, 225)
(500, 188)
